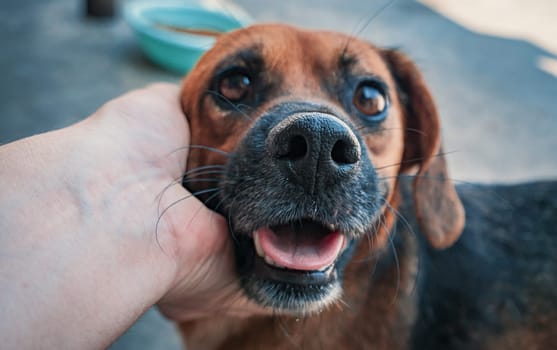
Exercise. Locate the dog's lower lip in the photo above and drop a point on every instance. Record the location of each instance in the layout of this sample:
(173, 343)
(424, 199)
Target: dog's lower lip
(295, 277)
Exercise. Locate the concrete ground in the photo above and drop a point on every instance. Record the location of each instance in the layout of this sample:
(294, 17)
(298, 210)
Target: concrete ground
(491, 66)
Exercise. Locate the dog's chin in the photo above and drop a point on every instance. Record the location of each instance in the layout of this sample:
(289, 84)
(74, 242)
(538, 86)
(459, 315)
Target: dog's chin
(291, 272)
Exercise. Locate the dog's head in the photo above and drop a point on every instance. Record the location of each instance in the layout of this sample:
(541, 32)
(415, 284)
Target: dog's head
(298, 138)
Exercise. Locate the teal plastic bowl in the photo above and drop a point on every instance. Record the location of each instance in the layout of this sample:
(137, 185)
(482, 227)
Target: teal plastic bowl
(164, 29)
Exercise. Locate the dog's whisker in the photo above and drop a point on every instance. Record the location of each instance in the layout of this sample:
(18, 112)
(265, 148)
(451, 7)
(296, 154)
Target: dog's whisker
(201, 179)
(203, 205)
(504, 200)
(205, 172)
(370, 236)
(233, 105)
(375, 236)
(282, 327)
(203, 168)
(203, 147)
(391, 234)
(341, 304)
(370, 244)
(377, 13)
(183, 181)
(158, 198)
(414, 160)
(199, 169)
(399, 216)
(173, 204)
(362, 24)
(232, 233)
(390, 238)
(377, 130)
(230, 214)
(220, 202)
(409, 229)
(417, 131)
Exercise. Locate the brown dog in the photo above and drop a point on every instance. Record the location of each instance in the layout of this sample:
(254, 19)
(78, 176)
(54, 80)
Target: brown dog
(306, 136)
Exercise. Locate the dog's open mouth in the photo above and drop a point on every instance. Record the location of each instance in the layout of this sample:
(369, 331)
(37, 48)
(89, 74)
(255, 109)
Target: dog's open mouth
(302, 246)
(292, 267)
(301, 254)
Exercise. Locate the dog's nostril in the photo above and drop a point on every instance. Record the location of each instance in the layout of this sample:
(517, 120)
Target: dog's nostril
(297, 148)
(344, 153)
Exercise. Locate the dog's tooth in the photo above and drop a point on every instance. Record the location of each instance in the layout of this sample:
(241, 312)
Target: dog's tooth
(273, 263)
(257, 244)
(269, 261)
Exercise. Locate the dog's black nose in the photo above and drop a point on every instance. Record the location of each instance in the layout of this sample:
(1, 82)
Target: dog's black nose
(314, 149)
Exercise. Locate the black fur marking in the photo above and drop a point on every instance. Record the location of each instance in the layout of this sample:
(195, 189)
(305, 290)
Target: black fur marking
(260, 195)
(501, 274)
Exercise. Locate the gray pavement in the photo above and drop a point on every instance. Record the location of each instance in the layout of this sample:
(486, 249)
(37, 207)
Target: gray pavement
(499, 109)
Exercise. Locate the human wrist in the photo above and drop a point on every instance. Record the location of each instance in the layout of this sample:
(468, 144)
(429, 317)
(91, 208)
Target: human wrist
(61, 220)
(121, 197)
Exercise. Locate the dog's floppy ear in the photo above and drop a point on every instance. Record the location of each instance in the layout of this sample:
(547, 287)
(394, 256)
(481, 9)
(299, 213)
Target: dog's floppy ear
(438, 208)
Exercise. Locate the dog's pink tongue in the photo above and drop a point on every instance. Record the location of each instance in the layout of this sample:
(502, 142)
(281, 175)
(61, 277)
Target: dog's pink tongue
(300, 251)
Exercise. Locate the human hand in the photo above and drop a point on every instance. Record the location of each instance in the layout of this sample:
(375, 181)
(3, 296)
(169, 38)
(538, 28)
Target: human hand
(96, 228)
(146, 133)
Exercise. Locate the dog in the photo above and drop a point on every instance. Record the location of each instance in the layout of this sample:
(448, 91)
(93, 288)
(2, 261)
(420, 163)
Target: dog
(324, 153)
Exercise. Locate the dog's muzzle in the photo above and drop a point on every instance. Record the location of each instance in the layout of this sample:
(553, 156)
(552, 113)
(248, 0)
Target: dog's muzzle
(299, 190)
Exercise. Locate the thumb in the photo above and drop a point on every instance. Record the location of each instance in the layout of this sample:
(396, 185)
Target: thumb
(207, 281)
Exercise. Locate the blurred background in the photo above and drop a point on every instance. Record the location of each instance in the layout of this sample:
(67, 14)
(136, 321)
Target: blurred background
(491, 65)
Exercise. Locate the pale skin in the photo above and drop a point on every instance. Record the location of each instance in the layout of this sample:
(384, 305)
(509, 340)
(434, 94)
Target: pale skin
(81, 255)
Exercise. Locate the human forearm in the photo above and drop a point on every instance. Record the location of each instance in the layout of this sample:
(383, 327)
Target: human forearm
(95, 227)
(60, 224)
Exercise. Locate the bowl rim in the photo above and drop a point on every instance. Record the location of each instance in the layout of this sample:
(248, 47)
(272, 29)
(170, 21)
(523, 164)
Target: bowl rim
(134, 14)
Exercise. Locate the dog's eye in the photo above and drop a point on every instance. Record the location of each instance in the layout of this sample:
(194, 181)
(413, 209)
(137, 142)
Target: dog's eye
(234, 85)
(370, 100)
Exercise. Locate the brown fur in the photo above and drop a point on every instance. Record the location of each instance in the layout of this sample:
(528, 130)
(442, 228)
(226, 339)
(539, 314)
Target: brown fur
(380, 314)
